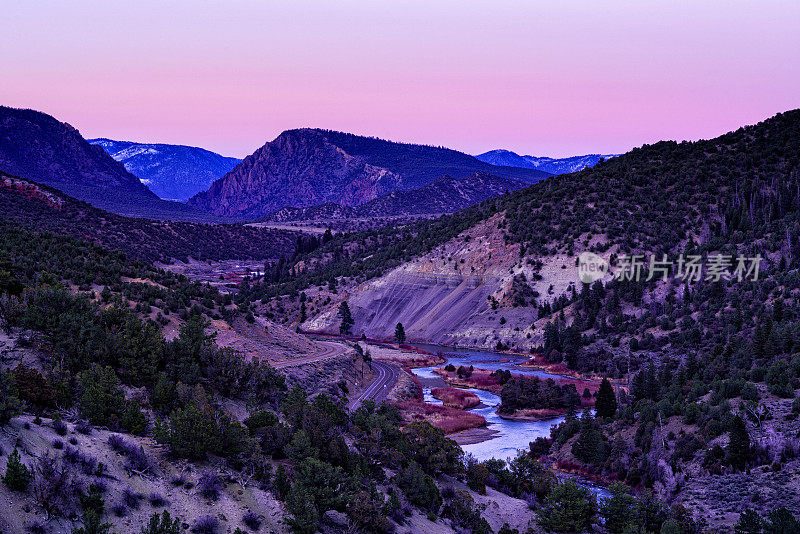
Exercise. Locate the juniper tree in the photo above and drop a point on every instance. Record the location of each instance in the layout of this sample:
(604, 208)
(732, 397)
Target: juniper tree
(400, 334)
(17, 476)
(739, 444)
(606, 401)
(347, 323)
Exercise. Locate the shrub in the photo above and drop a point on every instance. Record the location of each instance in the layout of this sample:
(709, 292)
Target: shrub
(210, 485)
(37, 527)
(54, 488)
(60, 427)
(206, 524)
(58, 444)
(157, 500)
(119, 509)
(130, 498)
(252, 520)
(83, 427)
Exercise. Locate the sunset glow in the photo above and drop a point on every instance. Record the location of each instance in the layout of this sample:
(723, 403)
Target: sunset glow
(544, 78)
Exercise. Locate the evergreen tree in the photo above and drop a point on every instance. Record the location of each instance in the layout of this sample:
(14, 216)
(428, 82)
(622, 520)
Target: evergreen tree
(282, 485)
(606, 401)
(781, 521)
(17, 476)
(568, 508)
(133, 420)
(346, 326)
(102, 400)
(162, 524)
(164, 395)
(739, 444)
(749, 523)
(619, 511)
(589, 447)
(10, 404)
(400, 334)
(305, 515)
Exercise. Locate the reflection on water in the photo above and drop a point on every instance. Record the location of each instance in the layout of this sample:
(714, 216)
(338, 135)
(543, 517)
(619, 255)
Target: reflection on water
(511, 436)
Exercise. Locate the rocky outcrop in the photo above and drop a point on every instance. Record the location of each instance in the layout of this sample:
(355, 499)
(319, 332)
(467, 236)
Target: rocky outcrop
(300, 168)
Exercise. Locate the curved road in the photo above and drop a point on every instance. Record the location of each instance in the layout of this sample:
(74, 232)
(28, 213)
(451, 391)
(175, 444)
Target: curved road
(386, 377)
(329, 350)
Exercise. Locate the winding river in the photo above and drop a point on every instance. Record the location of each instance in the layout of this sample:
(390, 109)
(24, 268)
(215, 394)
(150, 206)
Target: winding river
(509, 436)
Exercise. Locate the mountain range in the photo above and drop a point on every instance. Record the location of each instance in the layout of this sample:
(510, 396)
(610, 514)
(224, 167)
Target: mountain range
(173, 172)
(36, 146)
(309, 167)
(551, 165)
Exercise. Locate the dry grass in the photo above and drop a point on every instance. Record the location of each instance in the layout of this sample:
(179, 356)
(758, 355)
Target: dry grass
(456, 398)
(448, 419)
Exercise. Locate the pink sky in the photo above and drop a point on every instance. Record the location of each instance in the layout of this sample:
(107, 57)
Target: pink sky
(542, 78)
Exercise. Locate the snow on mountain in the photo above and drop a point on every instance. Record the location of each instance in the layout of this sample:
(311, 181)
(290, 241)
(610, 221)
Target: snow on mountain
(174, 172)
(551, 165)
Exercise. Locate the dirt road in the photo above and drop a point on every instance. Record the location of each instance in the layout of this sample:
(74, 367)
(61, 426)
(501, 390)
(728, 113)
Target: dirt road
(328, 350)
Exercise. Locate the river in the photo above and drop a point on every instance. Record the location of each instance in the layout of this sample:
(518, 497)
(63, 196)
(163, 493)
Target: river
(509, 436)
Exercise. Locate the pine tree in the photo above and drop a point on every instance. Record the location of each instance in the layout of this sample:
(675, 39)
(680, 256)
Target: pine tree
(17, 475)
(163, 524)
(347, 323)
(164, 395)
(749, 523)
(133, 419)
(10, 404)
(606, 402)
(281, 482)
(400, 334)
(739, 444)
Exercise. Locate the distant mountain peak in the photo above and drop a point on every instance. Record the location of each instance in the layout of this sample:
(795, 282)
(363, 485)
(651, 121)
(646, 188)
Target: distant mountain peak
(544, 163)
(174, 172)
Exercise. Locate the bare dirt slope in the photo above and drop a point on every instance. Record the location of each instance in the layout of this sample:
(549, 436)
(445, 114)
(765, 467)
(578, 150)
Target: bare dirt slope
(446, 296)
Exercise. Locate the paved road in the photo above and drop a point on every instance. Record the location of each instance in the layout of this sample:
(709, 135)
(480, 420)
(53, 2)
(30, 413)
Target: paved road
(328, 350)
(386, 376)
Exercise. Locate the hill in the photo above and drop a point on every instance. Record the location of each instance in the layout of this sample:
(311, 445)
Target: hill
(702, 407)
(308, 167)
(37, 147)
(173, 172)
(444, 195)
(736, 194)
(36, 206)
(551, 165)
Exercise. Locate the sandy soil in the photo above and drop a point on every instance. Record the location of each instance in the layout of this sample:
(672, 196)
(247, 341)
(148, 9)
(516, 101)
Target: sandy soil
(19, 510)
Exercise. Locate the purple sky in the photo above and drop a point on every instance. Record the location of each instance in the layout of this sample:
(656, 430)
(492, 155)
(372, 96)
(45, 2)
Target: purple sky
(544, 78)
